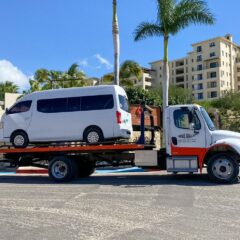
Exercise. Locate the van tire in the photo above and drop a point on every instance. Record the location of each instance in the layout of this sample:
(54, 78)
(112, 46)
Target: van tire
(62, 169)
(93, 135)
(19, 139)
(223, 168)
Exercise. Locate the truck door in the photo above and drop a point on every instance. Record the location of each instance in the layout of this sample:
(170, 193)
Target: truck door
(187, 139)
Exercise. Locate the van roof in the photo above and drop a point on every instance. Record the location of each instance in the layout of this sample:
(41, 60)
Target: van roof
(74, 89)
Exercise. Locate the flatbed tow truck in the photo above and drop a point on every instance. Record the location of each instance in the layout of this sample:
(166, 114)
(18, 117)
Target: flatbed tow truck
(192, 143)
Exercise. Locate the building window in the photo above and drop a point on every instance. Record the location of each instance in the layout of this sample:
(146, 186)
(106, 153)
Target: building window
(199, 48)
(212, 54)
(192, 60)
(227, 74)
(226, 55)
(213, 64)
(213, 94)
(199, 77)
(160, 75)
(222, 83)
(199, 67)
(238, 69)
(212, 44)
(238, 88)
(213, 74)
(160, 68)
(223, 53)
(212, 84)
(238, 79)
(200, 86)
(200, 96)
(199, 58)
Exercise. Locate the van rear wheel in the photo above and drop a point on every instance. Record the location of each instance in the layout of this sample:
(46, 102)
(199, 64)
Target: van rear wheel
(93, 135)
(19, 139)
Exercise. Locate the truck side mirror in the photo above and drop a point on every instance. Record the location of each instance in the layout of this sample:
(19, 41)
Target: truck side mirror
(192, 126)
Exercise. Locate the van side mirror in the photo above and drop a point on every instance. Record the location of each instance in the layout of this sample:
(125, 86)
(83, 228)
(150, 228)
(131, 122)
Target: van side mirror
(192, 126)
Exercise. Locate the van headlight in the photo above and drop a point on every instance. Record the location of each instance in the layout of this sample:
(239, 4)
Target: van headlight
(1, 125)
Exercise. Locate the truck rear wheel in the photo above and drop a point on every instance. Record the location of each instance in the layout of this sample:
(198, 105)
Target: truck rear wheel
(223, 168)
(62, 169)
(85, 168)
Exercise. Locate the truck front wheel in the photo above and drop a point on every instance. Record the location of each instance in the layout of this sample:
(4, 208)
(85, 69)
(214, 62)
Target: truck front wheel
(223, 168)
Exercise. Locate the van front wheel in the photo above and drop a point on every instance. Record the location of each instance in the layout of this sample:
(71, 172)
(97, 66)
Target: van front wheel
(93, 135)
(19, 139)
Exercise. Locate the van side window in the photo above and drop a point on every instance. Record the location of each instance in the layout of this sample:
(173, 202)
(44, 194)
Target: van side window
(55, 105)
(183, 118)
(123, 103)
(99, 102)
(20, 107)
(74, 104)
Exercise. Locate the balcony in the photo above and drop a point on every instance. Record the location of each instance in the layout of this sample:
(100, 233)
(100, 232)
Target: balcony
(179, 79)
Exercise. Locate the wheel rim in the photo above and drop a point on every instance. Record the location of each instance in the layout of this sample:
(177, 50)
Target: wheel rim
(222, 168)
(19, 140)
(93, 137)
(59, 169)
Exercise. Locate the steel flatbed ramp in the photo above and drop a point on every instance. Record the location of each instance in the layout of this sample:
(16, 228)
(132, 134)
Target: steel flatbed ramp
(86, 148)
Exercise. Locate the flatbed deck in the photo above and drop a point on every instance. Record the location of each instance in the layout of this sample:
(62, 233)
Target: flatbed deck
(71, 148)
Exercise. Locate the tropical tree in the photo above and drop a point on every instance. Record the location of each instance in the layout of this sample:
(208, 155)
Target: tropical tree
(51, 79)
(129, 70)
(7, 87)
(116, 42)
(173, 16)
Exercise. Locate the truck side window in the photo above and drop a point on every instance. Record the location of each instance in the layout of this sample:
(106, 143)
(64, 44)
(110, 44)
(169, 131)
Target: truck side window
(20, 107)
(183, 118)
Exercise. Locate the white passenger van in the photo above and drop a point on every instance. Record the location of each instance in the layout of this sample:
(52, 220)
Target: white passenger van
(89, 114)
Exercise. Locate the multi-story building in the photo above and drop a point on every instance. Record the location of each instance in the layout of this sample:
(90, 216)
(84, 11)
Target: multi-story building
(210, 70)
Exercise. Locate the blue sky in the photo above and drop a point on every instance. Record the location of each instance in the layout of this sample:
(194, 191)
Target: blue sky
(53, 34)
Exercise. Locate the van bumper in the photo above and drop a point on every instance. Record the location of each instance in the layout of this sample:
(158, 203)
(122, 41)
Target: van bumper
(125, 133)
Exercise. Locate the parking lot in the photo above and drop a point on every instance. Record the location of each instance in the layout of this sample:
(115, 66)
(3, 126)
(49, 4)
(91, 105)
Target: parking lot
(119, 206)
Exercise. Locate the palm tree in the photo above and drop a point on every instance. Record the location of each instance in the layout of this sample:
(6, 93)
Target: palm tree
(129, 69)
(116, 43)
(173, 16)
(75, 77)
(7, 87)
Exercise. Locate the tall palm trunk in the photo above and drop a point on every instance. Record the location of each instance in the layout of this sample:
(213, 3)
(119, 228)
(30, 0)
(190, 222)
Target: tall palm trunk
(165, 87)
(116, 43)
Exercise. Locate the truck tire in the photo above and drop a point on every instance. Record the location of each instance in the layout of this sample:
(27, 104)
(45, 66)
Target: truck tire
(85, 168)
(223, 168)
(62, 169)
(19, 139)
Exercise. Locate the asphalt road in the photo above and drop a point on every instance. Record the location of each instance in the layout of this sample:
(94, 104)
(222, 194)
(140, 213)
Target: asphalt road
(135, 206)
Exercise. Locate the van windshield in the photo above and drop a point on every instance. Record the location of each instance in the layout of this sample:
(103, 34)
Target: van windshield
(123, 103)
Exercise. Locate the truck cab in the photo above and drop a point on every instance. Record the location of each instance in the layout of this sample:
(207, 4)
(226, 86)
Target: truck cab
(193, 141)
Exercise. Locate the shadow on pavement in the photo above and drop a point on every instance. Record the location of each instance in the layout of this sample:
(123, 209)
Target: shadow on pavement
(127, 180)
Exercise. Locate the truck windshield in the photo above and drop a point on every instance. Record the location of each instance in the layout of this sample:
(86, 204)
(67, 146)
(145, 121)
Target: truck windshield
(207, 119)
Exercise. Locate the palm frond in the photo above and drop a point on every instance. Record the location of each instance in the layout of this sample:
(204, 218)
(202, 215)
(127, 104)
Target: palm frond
(146, 29)
(191, 12)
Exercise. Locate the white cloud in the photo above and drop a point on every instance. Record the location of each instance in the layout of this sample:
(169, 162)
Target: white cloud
(83, 63)
(9, 72)
(103, 61)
